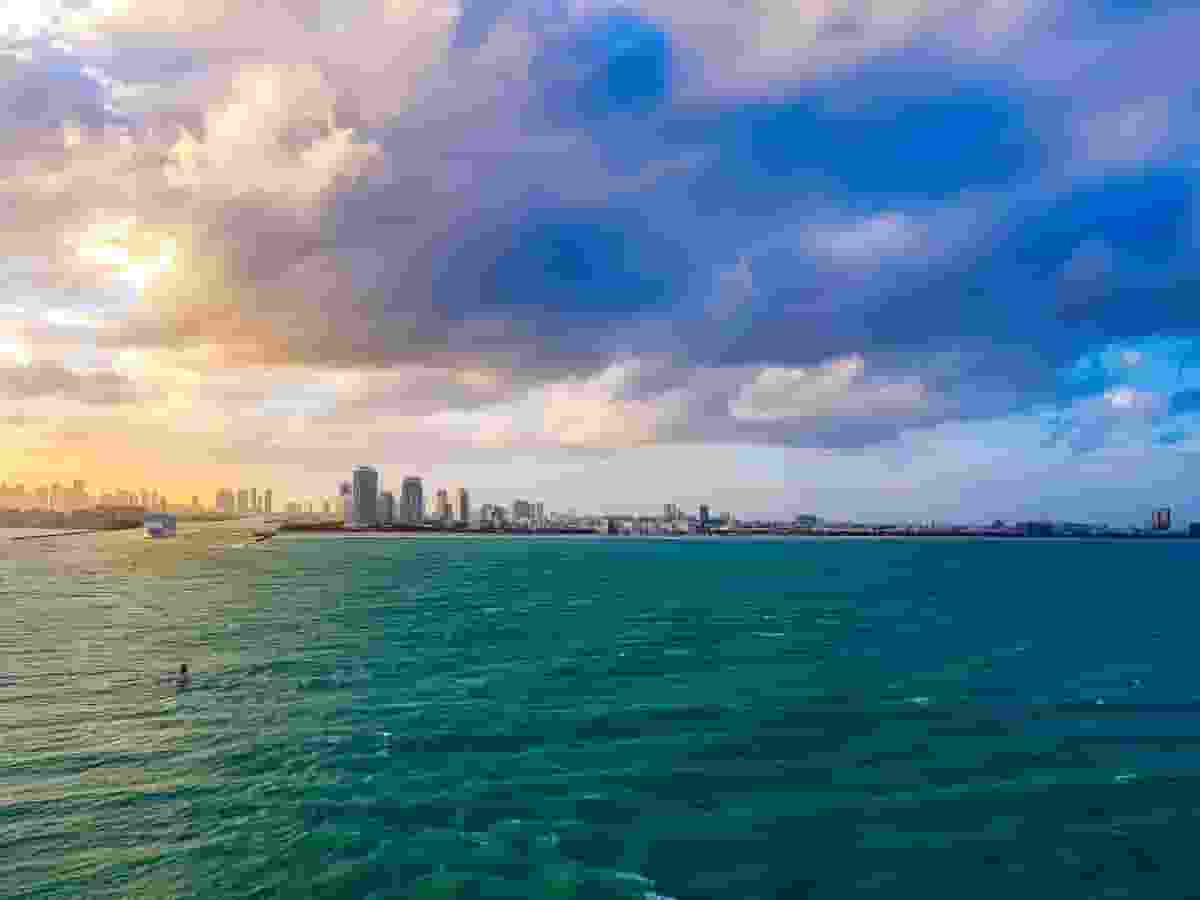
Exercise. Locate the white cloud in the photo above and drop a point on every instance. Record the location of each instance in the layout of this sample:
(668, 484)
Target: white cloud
(1132, 133)
(870, 240)
(834, 389)
(275, 134)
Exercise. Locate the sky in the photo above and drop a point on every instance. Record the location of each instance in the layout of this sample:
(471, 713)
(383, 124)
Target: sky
(880, 259)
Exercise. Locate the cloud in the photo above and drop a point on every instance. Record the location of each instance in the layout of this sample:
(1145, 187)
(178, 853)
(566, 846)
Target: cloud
(870, 240)
(1120, 416)
(748, 48)
(836, 389)
(819, 225)
(1187, 401)
(48, 379)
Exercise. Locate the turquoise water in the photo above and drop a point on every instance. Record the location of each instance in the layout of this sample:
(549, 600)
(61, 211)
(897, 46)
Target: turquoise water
(597, 718)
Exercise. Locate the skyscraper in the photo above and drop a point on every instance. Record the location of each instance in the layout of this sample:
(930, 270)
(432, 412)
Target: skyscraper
(267, 501)
(412, 501)
(254, 507)
(441, 507)
(464, 506)
(703, 515)
(79, 495)
(346, 493)
(387, 508)
(1161, 519)
(366, 496)
(225, 501)
(243, 501)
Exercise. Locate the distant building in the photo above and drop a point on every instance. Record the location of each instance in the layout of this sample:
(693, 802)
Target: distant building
(225, 502)
(254, 507)
(539, 514)
(119, 516)
(1161, 519)
(346, 495)
(387, 508)
(704, 515)
(464, 506)
(1194, 530)
(366, 496)
(442, 510)
(267, 504)
(806, 520)
(243, 500)
(522, 510)
(412, 501)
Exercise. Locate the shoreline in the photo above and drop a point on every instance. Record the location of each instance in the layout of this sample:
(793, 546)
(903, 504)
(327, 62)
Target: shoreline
(69, 533)
(331, 531)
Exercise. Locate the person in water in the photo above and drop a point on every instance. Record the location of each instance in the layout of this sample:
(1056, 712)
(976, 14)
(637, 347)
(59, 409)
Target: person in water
(182, 678)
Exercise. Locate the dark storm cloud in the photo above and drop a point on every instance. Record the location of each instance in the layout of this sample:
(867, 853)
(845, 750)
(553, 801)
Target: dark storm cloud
(557, 198)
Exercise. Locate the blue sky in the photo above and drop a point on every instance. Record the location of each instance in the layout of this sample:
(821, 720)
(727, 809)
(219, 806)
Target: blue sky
(881, 259)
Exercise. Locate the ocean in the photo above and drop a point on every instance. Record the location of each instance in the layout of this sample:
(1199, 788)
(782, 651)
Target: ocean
(698, 718)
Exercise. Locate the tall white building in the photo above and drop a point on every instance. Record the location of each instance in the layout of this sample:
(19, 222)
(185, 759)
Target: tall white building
(464, 506)
(442, 508)
(412, 501)
(366, 496)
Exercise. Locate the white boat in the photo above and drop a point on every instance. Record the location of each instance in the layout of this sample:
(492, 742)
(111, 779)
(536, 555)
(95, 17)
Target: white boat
(159, 525)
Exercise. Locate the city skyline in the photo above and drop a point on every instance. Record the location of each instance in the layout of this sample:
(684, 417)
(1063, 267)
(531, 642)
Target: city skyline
(327, 503)
(888, 260)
